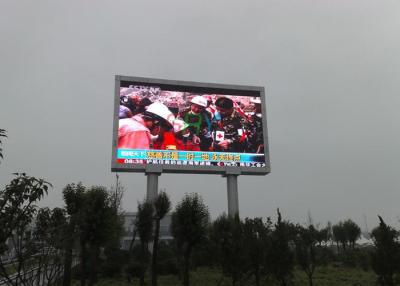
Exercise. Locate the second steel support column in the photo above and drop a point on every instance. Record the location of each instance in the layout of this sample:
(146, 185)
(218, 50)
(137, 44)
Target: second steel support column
(233, 199)
(152, 186)
(152, 173)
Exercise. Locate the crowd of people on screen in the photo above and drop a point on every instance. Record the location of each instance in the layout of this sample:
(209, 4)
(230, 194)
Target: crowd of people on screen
(150, 118)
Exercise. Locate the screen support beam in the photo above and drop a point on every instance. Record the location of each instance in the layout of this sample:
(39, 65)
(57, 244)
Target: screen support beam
(233, 199)
(232, 188)
(152, 173)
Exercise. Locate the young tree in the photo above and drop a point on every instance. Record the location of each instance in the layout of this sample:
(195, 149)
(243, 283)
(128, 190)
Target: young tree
(162, 205)
(17, 211)
(353, 232)
(256, 237)
(2, 134)
(49, 233)
(144, 228)
(189, 227)
(306, 240)
(280, 260)
(116, 194)
(94, 222)
(73, 199)
(339, 235)
(346, 233)
(386, 256)
(101, 224)
(324, 235)
(228, 238)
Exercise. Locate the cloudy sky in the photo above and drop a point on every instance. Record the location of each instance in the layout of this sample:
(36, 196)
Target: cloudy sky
(331, 71)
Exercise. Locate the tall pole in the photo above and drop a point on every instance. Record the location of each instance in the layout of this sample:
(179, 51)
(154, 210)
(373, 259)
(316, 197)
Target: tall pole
(152, 173)
(152, 186)
(233, 198)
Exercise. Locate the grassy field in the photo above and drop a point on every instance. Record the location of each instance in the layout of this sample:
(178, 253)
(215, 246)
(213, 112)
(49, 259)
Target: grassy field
(324, 276)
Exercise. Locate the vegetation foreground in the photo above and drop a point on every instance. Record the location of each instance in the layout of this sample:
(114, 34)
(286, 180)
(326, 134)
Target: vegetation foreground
(324, 276)
(80, 244)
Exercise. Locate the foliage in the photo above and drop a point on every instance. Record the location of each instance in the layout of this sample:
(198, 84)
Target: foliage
(353, 232)
(386, 257)
(2, 134)
(324, 235)
(116, 194)
(189, 228)
(101, 223)
(306, 252)
(324, 276)
(17, 212)
(346, 233)
(144, 228)
(227, 235)
(50, 233)
(166, 260)
(74, 204)
(114, 262)
(339, 235)
(257, 241)
(94, 222)
(280, 260)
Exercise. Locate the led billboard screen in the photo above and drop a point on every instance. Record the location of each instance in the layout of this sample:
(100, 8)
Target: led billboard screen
(189, 127)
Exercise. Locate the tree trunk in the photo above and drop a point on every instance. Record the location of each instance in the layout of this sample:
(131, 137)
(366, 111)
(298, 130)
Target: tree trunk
(310, 280)
(83, 262)
(257, 275)
(186, 265)
(68, 263)
(155, 254)
(93, 265)
(142, 264)
(128, 276)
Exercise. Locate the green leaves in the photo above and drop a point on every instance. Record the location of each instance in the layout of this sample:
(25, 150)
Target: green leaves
(162, 205)
(190, 220)
(2, 134)
(17, 212)
(17, 202)
(144, 221)
(386, 256)
(346, 232)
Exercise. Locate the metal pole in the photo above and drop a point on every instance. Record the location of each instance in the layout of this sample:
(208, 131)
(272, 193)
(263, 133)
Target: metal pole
(152, 186)
(116, 191)
(233, 199)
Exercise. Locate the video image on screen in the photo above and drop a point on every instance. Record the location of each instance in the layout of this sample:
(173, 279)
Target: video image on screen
(178, 127)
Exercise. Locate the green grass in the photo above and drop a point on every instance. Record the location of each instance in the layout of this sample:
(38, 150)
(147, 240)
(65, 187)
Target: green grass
(337, 276)
(324, 276)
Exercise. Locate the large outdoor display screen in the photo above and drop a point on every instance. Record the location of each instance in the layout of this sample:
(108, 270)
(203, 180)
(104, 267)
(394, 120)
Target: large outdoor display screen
(188, 127)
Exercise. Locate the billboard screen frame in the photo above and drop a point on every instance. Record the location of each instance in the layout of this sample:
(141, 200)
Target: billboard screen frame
(198, 87)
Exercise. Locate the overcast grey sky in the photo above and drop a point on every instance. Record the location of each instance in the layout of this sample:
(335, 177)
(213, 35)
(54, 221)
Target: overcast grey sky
(331, 71)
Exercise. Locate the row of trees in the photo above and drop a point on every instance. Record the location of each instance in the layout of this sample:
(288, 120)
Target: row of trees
(89, 228)
(257, 249)
(40, 245)
(189, 226)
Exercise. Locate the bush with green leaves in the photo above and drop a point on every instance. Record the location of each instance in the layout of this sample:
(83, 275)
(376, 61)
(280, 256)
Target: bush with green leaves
(280, 260)
(386, 255)
(18, 209)
(189, 226)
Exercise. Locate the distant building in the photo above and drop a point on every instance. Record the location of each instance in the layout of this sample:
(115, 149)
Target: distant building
(129, 228)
